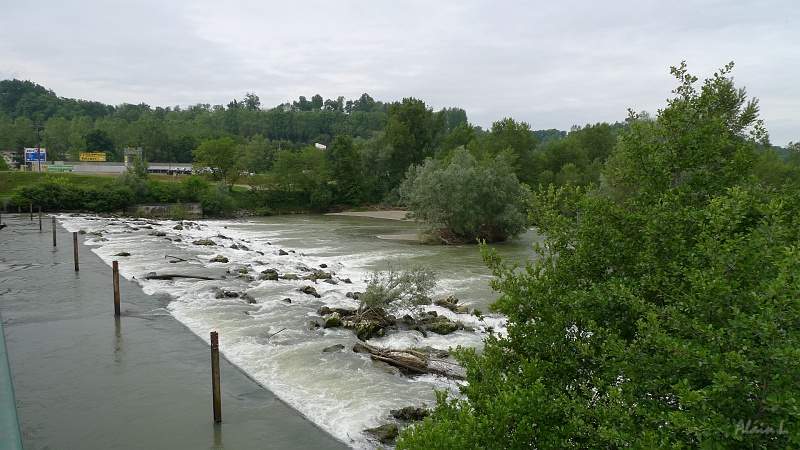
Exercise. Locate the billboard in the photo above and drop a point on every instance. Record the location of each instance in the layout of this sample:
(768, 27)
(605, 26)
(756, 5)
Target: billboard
(30, 154)
(97, 156)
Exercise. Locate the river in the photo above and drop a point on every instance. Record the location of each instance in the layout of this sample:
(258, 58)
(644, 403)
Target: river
(271, 339)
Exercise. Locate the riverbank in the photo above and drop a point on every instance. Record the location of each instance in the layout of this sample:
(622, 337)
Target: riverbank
(85, 379)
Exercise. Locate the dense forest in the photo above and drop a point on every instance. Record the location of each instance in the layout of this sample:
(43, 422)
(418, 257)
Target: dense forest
(371, 145)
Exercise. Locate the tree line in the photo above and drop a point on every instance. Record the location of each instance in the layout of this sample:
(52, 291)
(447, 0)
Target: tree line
(372, 147)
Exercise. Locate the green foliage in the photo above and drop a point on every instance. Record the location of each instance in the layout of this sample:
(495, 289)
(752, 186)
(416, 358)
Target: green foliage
(395, 289)
(465, 201)
(665, 316)
(346, 171)
(137, 185)
(702, 143)
(218, 201)
(164, 191)
(410, 131)
(57, 193)
(516, 141)
(4, 165)
(178, 212)
(305, 172)
(219, 156)
(576, 158)
(193, 188)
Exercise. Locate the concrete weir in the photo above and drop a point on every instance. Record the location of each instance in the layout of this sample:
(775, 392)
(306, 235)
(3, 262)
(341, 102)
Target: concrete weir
(85, 378)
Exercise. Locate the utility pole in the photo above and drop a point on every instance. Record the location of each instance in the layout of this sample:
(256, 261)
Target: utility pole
(38, 145)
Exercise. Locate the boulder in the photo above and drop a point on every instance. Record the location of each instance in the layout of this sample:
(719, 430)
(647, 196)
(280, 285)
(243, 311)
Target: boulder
(268, 274)
(332, 320)
(204, 242)
(309, 290)
(282, 252)
(442, 326)
(219, 259)
(409, 413)
(343, 312)
(123, 254)
(385, 434)
(450, 303)
(158, 233)
(249, 298)
(333, 348)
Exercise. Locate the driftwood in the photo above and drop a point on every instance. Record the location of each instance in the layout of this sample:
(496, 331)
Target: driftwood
(408, 361)
(172, 276)
(175, 258)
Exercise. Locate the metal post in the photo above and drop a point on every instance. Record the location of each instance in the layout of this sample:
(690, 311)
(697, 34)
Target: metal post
(40, 219)
(215, 377)
(75, 248)
(30, 204)
(116, 287)
(54, 231)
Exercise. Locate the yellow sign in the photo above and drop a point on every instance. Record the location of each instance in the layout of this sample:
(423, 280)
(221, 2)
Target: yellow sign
(92, 157)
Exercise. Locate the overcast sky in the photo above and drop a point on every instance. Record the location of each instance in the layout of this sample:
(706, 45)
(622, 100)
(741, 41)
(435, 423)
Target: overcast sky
(552, 64)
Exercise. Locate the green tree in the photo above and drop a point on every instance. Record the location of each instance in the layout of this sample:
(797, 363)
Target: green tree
(99, 141)
(346, 171)
(464, 201)
(410, 131)
(665, 316)
(515, 139)
(220, 157)
(305, 172)
(56, 136)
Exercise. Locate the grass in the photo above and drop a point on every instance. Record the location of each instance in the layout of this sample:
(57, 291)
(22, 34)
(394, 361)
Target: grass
(12, 179)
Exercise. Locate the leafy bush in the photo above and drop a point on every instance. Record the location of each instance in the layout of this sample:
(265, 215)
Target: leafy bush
(218, 201)
(135, 183)
(465, 201)
(395, 289)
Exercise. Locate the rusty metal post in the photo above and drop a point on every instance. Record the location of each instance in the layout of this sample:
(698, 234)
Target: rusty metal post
(75, 248)
(215, 377)
(40, 219)
(54, 231)
(116, 287)
(30, 203)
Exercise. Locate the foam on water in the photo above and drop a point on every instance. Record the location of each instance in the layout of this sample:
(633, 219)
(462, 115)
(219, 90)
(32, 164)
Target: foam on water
(343, 392)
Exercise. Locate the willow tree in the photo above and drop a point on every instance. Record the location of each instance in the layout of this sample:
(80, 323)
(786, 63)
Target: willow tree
(464, 200)
(664, 310)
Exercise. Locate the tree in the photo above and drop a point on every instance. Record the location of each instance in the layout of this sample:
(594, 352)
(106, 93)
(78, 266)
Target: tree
(517, 140)
(346, 171)
(251, 102)
(220, 157)
(56, 137)
(305, 172)
(99, 141)
(665, 316)
(464, 201)
(410, 130)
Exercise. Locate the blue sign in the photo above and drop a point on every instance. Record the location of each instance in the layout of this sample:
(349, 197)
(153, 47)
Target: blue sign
(30, 154)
